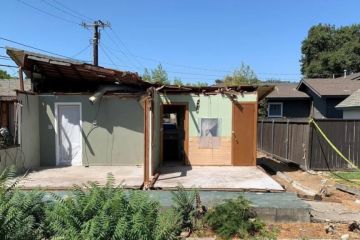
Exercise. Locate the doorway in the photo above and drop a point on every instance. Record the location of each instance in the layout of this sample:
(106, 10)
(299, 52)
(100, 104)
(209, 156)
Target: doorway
(68, 134)
(174, 134)
(244, 134)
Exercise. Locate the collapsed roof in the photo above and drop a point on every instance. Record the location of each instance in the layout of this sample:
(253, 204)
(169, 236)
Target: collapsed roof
(54, 74)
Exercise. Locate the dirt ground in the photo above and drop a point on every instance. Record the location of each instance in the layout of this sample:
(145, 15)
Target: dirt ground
(312, 231)
(315, 181)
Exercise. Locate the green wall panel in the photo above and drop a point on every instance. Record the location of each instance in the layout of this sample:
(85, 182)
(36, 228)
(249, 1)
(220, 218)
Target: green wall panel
(112, 130)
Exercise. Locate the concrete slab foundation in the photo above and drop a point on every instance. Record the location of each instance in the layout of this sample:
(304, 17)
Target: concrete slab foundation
(217, 178)
(63, 178)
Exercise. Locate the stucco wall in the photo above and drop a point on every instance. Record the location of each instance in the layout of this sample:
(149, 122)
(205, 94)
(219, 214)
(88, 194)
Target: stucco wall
(352, 113)
(112, 130)
(28, 154)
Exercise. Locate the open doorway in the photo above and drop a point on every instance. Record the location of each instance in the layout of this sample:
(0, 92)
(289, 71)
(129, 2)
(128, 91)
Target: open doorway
(174, 139)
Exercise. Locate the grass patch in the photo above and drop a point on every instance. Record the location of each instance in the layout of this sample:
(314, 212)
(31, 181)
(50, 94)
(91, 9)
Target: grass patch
(349, 175)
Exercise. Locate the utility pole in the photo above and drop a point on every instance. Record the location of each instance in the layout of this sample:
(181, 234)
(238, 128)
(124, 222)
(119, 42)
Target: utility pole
(97, 25)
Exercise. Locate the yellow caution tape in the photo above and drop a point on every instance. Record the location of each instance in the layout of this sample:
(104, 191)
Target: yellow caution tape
(331, 144)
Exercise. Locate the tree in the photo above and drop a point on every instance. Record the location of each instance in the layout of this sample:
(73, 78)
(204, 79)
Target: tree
(328, 50)
(243, 75)
(157, 75)
(177, 81)
(4, 75)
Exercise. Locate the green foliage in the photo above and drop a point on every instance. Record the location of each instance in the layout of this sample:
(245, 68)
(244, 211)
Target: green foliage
(233, 218)
(328, 50)
(177, 81)
(168, 225)
(184, 204)
(108, 212)
(241, 76)
(262, 109)
(21, 213)
(157, 75)
(4, 75)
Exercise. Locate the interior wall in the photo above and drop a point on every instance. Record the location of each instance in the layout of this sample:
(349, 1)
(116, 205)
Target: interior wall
(210, 106)
(112, 130)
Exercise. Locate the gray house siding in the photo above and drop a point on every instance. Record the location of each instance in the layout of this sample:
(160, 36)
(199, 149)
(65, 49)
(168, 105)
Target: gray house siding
(294, 108)
(319, 105)
(331, 111)
(112, 130)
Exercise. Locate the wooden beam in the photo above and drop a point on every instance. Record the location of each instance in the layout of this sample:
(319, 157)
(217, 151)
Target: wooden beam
(21, 78)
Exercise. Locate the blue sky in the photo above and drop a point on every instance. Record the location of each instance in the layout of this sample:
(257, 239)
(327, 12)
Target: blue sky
(194, 40)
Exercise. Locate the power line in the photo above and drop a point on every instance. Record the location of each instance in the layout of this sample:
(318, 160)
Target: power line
(35, 48)
(71, 10)
(61, 10)
(39, 49)
(10, 66)
(48, 13)
(130, 61)
(106, 54)
(81, 51)
(127, 49)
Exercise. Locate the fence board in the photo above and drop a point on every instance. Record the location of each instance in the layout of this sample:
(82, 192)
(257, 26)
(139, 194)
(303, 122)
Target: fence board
(294, 140)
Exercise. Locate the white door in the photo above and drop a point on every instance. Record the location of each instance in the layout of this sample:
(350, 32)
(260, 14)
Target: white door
(69, 141)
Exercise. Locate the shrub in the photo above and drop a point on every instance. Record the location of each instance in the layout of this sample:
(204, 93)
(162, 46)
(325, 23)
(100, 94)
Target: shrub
(233, 218)
(21, 213)
(110, 213)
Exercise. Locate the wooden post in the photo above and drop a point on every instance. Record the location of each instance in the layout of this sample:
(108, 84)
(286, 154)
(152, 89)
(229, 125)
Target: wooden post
(21, 78)
(272, 138)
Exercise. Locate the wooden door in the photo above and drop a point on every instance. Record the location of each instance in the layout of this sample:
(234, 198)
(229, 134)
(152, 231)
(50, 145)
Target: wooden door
(244, 134)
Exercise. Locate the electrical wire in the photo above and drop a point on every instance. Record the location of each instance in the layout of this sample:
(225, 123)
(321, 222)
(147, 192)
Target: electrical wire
(81, 51)
(72, 10)
(62, 10)
(128, 58)
(124, 45)
(48, 13)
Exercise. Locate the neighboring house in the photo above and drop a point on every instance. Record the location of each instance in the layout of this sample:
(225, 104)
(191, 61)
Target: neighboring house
(285, 101)
(326, 93)
(351, 106)
(81, 114)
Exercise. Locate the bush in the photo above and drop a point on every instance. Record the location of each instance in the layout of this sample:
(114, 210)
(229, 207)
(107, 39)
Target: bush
(110, 213)
(21, 213)
(233, 218)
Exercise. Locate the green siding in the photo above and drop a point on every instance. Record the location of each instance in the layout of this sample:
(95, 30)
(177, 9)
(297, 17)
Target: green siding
(117, 138)
(211, 106)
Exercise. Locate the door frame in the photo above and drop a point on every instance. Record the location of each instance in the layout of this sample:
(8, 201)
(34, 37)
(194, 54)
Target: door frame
(56, 124)
(186, 129)
(255, 129)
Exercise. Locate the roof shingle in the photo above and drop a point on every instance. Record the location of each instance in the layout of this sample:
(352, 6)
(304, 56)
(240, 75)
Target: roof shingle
(286, 90)
(333, 86)
(352, 101)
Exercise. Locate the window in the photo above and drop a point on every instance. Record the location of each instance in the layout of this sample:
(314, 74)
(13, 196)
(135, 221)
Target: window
(275, 109)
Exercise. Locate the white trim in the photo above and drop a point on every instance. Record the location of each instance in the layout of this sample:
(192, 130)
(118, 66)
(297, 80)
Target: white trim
(275, 103)
(57, 104)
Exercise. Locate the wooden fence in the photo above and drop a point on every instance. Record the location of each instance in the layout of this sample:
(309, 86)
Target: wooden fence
(294, 140)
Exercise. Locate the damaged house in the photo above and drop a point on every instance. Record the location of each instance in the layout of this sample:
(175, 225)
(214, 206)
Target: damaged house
(81, 114)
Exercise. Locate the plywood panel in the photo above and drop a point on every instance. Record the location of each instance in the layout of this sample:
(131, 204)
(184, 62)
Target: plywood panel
(219, 156)
(244, 134)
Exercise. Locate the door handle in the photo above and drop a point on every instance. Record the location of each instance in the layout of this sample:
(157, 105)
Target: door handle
(235, 138)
